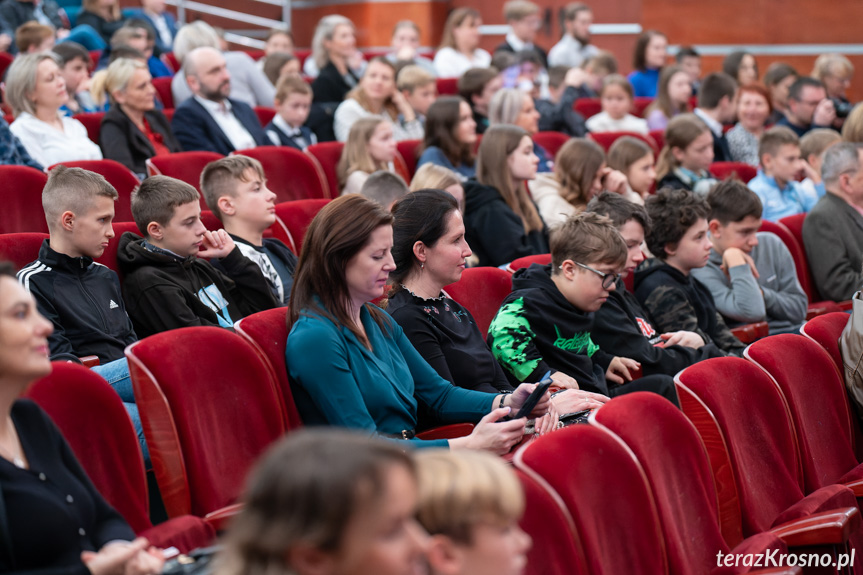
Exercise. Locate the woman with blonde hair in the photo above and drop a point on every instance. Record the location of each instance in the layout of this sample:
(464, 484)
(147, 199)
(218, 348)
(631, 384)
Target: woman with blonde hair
(501, 221)
(459, 49)
(132, 130)
(684, 161)
(835, 71)
(335, 64)
(580, 173)
(512, 106)
(36, 91)
(370, 147)
(852, 129)
(377, 96)
(434, 177)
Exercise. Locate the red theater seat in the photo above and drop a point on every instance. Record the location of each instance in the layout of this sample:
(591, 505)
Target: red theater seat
(551, 141)
(825, 330)
(327, 154)
(22, 248)
(22, 200)
(291, 174)
(588, 107)
(526, 261)
(607, 139)
(93, 122)
(163, 89)
(447, 86)
(481, 291)
(265, 115)
(184, 166)
(739, 170)
(296, 217)
(409, 151)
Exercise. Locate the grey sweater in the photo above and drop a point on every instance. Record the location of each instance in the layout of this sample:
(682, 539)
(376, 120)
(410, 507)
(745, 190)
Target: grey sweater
(738, 295)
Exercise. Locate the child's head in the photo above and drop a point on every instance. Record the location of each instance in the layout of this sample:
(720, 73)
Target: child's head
(741, 66)
(293, 100)
(815, 142)
(689, 59)
(280, 64)
(470, 503)
(634, 158)
(168, 214)
(279, 40)
(418, 87)
(678, 230)
(74, 64)
(616, 96)
(578, 169)
(735, 216)
(651, 50)
(587, 254)
(778, 79)
(688, 144)
(478, 86)
(718, 93)
(779, 154)
(450, 126)
(79, 208)
(630, 219)
(370, 147)
(235, 189)
(523, 18)
(406, 34)
(433, 177)
(32, 37)
(598, 67)
(384, 187)
(674, 91)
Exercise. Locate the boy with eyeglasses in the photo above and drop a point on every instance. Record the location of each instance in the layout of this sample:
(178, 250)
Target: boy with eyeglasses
(545, 323)
(664, 285)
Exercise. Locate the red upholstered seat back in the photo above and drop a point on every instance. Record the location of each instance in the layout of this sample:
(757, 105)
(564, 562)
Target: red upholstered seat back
(209, 407)
(408, 151)
(658, 137)
(20, 249)
(291, 174)
(826, 330)
(556, 549)
(447, 86)
(817, 401)
(551, 141)
(606, 493)
(678, 471)
(481, 291)
(265, 115)
(794, 224)
(725, 170)
(184, 166)
(526, 261)
(327, 154)
(93, 122)
(795, 246)
(119, 176)
(753, 423)
(607, 139)
(22, 200)
(267, 331)
(588, 107)
(92, 418)
(109, 256)
(163, 89)
(297, 216)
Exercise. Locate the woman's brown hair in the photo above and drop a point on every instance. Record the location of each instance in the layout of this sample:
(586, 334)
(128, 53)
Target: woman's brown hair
(360, 96)
(663, 99)
(340, 230)
(682, 130)
(355, 153)
(455, 19)
(442, 122)
(492, 170)
(575, 168)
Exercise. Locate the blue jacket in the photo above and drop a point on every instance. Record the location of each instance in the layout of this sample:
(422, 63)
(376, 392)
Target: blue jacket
(196, 129)
(337, 381)
(161, 47)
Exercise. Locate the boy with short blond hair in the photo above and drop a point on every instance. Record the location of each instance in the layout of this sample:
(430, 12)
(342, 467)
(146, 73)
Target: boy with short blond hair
(664, 283)
(545, 323)
(32, 37)
(750, 274)
(418, 87)
(776, 184)
(80, 297)
(235, 189)
(167, 283)
(812, 148)
(293, 102)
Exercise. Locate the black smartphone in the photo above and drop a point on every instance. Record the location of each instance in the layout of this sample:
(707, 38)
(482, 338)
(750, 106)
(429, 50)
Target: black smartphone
(534, 397)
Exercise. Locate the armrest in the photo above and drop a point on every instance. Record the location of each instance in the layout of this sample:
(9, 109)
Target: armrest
(820, 308)
(447, 431)
(220, 518)
(751, 332)
(856, 487)
(826, 528)
(90, 360)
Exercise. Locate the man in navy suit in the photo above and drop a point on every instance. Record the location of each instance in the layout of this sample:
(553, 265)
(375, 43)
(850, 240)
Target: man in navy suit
(209, 120)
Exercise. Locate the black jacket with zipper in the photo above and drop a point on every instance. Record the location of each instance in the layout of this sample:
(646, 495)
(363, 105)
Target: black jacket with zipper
(83, 301)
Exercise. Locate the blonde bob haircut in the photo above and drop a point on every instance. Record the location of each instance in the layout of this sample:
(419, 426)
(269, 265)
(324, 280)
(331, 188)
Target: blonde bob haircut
(492, 169)
(21, 81)
(433, 177)
(355, 154)
(115, 78)
(459, 490)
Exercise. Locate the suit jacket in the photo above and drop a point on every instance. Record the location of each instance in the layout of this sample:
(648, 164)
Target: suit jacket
(285, 140)
(833, 237)
(122, 141)
(196, 129)
(721, 149)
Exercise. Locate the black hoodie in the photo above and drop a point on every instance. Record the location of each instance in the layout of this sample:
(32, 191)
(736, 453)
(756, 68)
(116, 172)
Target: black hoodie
(537, 330)
(166, 292)
(494, 232)
(679, 302)
(624, 328)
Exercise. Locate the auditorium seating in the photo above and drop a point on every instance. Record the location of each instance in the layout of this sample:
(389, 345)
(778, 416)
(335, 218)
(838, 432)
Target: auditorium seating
(22, 201)
(93, 122)
(825, 330)
(297, 216)
(85, 408)
(607, 139)
(588, 107)
(21, 248)
(185, 166)
(163, 89)
(481, 291)
(551, 141)
(447, 86)
(202, 450)
(265, 114)
(738, 170)
(327, 154)
(291, 174)
(409, 151)
(118, 175)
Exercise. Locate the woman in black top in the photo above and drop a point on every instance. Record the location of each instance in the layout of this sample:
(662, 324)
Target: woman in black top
(429, 250)
(333, 51)
(52, 519)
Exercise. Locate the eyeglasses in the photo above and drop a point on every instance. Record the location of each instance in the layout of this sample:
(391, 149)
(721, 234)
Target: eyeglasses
(608, 280)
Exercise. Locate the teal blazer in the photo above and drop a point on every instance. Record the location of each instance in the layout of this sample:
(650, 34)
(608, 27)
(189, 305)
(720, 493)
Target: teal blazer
(337, 381)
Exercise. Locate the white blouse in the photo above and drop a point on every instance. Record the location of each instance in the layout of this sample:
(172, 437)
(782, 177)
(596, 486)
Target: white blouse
(449, 63)
(48, 145)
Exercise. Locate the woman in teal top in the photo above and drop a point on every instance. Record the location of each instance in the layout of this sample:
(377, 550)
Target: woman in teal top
(351, 365)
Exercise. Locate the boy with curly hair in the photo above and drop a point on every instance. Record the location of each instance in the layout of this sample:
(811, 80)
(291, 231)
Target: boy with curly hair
(663, 284)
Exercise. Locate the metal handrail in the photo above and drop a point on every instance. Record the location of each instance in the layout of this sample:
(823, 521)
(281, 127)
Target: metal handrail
(283, 24)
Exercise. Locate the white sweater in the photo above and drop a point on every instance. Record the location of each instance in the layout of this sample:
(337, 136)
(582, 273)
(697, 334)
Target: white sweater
(48, 145)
